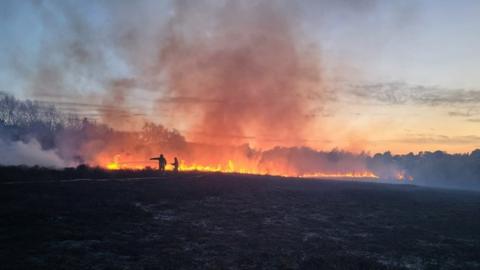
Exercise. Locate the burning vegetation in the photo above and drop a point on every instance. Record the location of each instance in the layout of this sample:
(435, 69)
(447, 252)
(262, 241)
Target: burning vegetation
(239, 77)
(72, 141)
(33, 134)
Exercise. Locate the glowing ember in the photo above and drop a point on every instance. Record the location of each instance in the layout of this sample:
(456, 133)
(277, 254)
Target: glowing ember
(402, 175)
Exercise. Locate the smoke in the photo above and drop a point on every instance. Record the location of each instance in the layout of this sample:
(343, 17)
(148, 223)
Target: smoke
(248, 68)
(32, 134)
(30, 154)
(431, 168)
(224, 71)
(307, 161)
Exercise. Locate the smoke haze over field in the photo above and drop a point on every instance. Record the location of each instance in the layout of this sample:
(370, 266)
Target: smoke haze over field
(30, 154)
(36, 135)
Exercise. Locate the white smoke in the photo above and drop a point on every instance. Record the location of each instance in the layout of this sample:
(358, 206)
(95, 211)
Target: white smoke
(29, 153)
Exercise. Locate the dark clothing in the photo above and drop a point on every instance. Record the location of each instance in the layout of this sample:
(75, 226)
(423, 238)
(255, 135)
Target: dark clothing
(161, 162)
(175, 165)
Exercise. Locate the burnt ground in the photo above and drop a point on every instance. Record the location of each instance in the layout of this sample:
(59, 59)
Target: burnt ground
(215, 221)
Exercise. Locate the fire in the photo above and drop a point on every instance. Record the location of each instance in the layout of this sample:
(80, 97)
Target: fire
(227, 168)
(233, 167)
(363, 174)
(401, 175)
(114, 165)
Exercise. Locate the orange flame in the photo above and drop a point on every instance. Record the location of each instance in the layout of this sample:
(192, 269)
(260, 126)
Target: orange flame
(114, 165)
(401, 175)
(362, 174)
(232, 167)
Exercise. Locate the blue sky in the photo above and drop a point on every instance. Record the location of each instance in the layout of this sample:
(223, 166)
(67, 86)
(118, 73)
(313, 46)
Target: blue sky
(428, 42)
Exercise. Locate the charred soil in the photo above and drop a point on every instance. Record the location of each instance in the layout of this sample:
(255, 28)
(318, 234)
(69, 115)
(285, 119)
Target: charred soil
(219, 221)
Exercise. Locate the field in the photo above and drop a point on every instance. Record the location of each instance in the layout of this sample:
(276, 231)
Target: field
(218, 221)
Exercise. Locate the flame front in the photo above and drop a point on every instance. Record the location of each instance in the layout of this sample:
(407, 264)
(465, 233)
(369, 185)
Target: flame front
(234, 167)
(362, 174)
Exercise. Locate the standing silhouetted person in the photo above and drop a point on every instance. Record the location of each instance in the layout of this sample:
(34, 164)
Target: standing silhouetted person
(161, 162)
(175, 165)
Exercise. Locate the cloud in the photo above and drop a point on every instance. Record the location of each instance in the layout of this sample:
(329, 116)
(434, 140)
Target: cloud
(459, 114)
(438, 139)
(188, 100)
(97, 111)
(397, 93)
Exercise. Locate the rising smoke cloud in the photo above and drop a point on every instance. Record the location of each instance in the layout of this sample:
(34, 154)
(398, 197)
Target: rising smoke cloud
(249, 68)
(224, 71)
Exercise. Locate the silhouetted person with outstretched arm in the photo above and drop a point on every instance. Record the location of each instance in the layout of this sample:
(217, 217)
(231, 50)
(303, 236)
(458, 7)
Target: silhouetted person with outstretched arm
(175, 165)
(161, 162)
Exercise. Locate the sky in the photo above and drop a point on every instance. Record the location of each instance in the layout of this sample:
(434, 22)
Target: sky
(400, 76)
